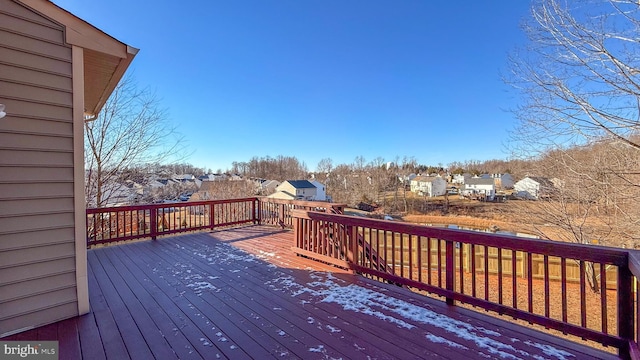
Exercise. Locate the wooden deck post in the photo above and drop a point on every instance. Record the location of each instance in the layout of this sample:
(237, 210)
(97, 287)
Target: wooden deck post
(352, 235)
(257, 211)
(153, 222)
(626, 316)
(450, 275)
(211, 216)
(296, 231)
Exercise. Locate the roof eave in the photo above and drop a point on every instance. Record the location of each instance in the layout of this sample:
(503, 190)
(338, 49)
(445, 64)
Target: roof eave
(84, 35)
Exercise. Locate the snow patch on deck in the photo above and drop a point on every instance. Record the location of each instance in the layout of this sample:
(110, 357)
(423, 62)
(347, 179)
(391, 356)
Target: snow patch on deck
(327, 288)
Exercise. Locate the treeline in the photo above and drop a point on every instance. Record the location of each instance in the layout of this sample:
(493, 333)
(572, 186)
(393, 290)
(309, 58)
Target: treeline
(279, 168)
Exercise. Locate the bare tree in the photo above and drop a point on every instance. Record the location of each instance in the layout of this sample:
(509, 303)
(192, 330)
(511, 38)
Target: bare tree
(580, 115)
(131, 129)
(588, 203)
(580, 74)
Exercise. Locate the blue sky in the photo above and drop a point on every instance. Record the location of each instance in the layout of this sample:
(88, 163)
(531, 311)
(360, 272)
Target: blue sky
(324, 79)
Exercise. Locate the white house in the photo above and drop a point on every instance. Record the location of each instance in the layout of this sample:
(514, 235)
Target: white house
(533, 187)
(503, 181)
(296, 190)
(429, 185)
(460, 178)
(479, 185)
(321, 191)
(268, 187)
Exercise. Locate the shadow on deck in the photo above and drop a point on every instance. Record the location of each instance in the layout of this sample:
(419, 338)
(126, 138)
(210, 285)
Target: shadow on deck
(243, 294)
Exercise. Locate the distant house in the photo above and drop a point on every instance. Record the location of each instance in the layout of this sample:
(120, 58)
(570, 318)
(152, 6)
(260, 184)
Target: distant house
(460, 178)
(268, 187)
(503, 181)
(296, 190)
(480, 186)
(429, 185)
(57, 72)
(183, 177)
(534, 187)
(321, 192)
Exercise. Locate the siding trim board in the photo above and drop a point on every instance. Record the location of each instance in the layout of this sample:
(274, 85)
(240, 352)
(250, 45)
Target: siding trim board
(82, 278)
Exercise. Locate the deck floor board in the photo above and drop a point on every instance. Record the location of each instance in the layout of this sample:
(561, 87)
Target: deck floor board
(243, 294)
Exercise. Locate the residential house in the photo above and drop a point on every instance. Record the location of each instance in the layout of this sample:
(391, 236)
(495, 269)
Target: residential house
(268, 187)
(534, 187)
(296, 190)
(461, 178)
(321, 191)
(429, 185)
(480, 186)
(501, 181)
(56, 70)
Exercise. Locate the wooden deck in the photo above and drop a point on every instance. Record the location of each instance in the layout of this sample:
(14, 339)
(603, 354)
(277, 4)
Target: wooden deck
(242, 294)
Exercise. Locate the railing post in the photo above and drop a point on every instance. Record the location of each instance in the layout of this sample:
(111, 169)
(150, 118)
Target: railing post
(86, 227)
(626, 316)
(211, 215)
(353, 242)
(257, 214)
(450, 275)
(153, 222)
(281, 217)
(296, 232)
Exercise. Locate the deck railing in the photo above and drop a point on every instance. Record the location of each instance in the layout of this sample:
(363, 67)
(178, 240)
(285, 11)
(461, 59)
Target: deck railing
(121, 223)
(554, 284)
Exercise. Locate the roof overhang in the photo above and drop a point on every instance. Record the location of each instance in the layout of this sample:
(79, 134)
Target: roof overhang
(105, 58)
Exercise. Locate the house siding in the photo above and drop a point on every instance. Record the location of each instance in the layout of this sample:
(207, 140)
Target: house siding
(37, 222)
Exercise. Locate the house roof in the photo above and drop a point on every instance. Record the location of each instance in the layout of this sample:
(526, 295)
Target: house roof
(301, 184)
(426, 178)
(105, 59)
(543, 181)
(480, 181)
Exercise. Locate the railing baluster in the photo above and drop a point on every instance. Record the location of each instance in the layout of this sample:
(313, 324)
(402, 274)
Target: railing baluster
(486, 273)
(410, 257)
(460, 248)
(530, 282)
(472, 253)
(393, 252)
(603, 298)
(439, 263)
(547, 295)
(401, 254)
(583, 297)
(419, 260)
(514, 279)
(499, 276)
(429, 267)
(563, 282)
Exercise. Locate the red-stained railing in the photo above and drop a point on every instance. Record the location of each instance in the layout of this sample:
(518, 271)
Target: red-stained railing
(113, 224)
(122, 223)
(543, 282)
(277, 212)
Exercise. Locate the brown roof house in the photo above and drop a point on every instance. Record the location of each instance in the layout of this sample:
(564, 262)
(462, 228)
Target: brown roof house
(56, 70)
